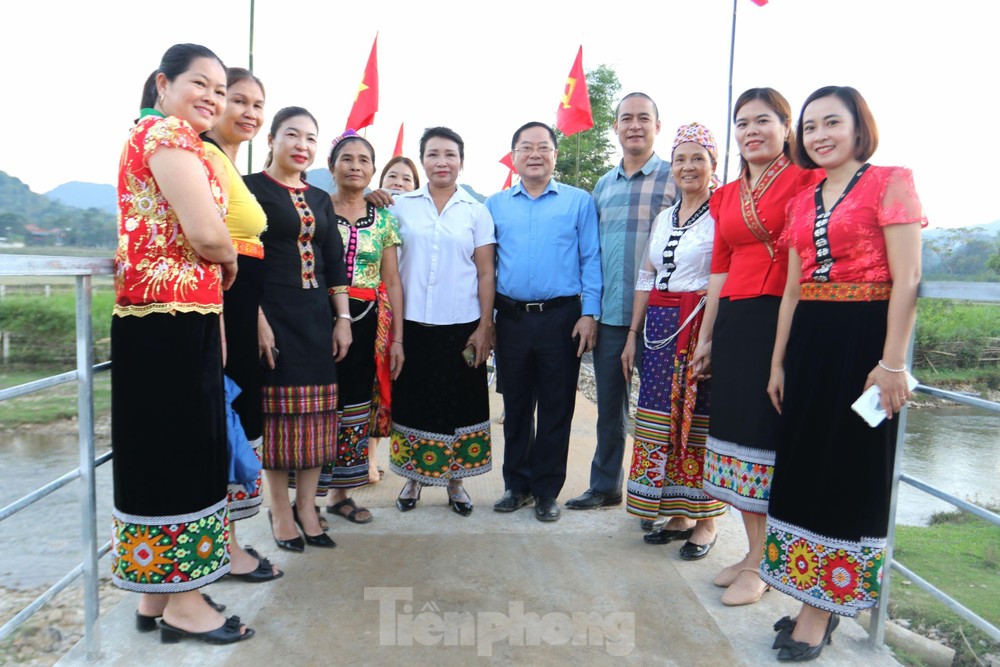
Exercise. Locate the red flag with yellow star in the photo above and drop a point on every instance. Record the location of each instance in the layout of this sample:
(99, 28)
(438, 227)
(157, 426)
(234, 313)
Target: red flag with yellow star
(366, 99)
(574, 113)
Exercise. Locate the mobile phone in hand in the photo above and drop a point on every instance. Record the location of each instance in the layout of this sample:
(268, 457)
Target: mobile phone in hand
(469, 355)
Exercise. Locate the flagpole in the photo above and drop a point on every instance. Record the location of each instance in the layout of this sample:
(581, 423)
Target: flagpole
(729, 100)
(250, 67)
(577, 179)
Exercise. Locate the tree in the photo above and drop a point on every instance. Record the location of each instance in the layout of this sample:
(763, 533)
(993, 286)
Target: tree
(586, 156)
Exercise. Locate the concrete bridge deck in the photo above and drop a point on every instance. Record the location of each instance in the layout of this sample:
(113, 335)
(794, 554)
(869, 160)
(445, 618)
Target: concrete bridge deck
(432, 588)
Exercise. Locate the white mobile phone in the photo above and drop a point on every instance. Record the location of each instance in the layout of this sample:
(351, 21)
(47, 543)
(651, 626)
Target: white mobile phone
(869, 404)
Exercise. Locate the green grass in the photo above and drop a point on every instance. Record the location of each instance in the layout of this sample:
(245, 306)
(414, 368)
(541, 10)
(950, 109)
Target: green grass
(960, 555)
(44, 329)
(48, 405)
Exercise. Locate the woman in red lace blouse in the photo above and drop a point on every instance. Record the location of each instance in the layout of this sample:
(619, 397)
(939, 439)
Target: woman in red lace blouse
(844, 325)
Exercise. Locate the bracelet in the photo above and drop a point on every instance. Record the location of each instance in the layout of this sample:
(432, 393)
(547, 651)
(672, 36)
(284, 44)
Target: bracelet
(396, 341)
(882, 365)
(344, 316)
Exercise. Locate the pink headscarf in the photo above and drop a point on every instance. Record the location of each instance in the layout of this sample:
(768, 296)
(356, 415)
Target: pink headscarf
(699, 134)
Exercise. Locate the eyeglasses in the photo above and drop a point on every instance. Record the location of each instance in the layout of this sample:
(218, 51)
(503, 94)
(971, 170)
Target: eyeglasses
(544, 149)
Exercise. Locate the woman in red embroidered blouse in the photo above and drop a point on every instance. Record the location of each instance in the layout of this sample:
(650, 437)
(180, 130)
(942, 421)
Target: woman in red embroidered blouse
(174, 258)
(741, 312)
(845, 322)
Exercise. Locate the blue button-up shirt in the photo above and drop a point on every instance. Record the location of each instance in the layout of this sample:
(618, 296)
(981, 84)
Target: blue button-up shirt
(547, 247)
(626, 207)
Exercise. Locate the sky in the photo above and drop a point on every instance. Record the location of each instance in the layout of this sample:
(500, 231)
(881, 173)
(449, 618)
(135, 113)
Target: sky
(72, 74)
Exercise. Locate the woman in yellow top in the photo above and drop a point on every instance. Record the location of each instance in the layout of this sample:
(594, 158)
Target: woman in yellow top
(245, 220)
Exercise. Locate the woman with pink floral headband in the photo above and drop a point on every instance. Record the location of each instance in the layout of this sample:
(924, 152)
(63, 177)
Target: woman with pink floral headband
(671, 421)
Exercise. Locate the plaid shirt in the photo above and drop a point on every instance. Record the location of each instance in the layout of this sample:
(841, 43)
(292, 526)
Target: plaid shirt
(626, 208)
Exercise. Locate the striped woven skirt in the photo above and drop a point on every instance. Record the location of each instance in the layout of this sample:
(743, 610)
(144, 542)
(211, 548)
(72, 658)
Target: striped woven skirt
(170, 525)
(440, 408)
(666, 473)
(356, 377)
(299, 396)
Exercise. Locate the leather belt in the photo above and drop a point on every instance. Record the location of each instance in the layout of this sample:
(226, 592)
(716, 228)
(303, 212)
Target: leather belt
(514, 308)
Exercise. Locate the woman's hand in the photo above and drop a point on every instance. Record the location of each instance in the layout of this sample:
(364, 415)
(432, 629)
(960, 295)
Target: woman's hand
(482, 340)
(380, 198)
(265, 339)
(228, 274)
(701, 362)
(892, 387)
(396, 358)
(628, 357)
(342, 338)
(776, 387)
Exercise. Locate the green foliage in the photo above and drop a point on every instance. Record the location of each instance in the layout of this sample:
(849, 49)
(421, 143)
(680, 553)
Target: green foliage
(963, 253)
(958, 554)
(43, 330)
(586, 156)
(956, 334)
(20, 207)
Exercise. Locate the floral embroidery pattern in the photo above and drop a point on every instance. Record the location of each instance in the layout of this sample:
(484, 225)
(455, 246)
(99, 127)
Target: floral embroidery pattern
(156, 268)
(750, 196)
(307, 231)
(836, 575)
(435, 458)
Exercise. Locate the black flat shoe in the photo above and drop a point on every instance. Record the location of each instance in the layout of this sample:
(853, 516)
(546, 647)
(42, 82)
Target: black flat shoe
(462, 508)
(784, 626)
(263, 572)
(407, 504)
(511, 501)
(228, 633)
(321, 540)
(145, 623)
(546, 509)
(692, 551)
(794, 651)
(664, 535)
(295, 544)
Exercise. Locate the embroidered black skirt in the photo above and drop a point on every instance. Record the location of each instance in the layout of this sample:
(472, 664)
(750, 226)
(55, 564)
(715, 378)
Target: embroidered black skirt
(829, 511)
(168, 433)
(739, 461)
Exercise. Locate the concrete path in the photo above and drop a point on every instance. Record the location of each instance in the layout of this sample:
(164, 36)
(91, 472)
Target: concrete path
(433, 588)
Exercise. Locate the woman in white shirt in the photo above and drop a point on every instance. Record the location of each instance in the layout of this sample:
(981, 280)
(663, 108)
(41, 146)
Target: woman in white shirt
(671, 422)
(440, 406)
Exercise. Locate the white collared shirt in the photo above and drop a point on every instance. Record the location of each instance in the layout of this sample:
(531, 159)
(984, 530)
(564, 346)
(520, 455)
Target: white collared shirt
(436, 266)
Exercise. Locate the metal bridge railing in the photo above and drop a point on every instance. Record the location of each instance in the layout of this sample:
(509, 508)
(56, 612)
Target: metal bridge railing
(83, 270)
(980, 292)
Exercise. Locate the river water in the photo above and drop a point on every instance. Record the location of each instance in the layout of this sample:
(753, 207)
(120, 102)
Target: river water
(955, 449)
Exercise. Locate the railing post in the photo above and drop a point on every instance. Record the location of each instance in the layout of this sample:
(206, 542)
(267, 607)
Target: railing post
(876, 631)
(88, 487)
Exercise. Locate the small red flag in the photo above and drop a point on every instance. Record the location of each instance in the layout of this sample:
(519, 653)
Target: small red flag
(759, 3)
(398, 150)
(574, 113)
(366, 99)
(508, 161)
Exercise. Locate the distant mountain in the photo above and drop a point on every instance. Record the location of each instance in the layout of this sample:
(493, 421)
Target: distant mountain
(989, 228)
(86, 195)
(34, 219)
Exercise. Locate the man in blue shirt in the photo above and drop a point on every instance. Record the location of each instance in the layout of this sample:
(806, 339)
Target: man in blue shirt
(548, 302)
(628, 199)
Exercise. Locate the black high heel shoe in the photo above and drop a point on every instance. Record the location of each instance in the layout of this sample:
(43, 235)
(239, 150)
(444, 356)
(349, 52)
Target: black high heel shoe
(295, 544)
(407, 504)
(321, 540)
(465, 509)
(794, 651)
(784, 626)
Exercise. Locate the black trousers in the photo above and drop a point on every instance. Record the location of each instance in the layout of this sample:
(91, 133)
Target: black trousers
(540, 372)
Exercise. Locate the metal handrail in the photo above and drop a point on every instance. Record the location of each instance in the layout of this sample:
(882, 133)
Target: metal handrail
(83, 270)
(980, 292)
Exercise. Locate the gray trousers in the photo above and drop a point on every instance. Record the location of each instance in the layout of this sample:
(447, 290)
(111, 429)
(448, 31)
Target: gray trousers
(606, 473)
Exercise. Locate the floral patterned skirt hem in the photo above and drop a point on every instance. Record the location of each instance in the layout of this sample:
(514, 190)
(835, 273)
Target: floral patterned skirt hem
(738, 475)
(170, 554)
(435, 458)
(839, 576)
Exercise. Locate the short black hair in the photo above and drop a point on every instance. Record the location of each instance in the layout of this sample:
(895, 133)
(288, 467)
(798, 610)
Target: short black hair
(443, 133)
(528, 126)
(656, 109)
